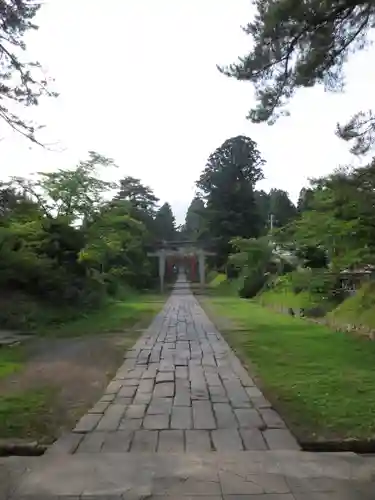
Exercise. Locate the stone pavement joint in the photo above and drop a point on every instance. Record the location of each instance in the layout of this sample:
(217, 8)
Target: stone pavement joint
(181, 375)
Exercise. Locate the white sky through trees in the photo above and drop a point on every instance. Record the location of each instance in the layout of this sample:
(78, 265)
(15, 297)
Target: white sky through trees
(138, 82)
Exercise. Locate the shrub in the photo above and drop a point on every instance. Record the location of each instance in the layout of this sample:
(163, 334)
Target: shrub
(251, 285)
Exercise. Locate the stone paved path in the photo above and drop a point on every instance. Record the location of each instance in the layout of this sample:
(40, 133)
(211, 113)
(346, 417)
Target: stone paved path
(181, 388)
(183, 419)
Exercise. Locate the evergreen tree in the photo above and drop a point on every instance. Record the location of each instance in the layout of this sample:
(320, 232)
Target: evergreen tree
(194, 227)
(263, 203)
(140, 196)
(281, 207)
(305, 199)
(165, 224)
(227, 184)
(300, 44)
(142, 202)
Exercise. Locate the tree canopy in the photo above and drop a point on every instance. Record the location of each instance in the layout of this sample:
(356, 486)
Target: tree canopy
(300, 44)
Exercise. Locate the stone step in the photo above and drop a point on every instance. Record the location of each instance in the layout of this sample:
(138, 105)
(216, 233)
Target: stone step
(219, 475)
(131, 438)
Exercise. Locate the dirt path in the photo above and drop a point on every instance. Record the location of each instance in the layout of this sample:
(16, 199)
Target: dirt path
(74, 370)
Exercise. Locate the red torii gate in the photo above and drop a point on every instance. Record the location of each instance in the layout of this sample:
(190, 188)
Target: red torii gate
(188, 255)
(189, 262)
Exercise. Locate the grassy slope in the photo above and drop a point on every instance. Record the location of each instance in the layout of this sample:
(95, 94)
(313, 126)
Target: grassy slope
(321, 382)
(220, 285)
(357, 310)
(33, 413)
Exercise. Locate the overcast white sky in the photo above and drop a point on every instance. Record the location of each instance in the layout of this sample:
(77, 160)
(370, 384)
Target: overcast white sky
(138, 82)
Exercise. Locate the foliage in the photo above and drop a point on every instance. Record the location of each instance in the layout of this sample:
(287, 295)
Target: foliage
(252, 254)
(340, 220)
(312, 292)
(116, 246)
(313, 257)
(22, 83)
(317, 282)
(75, 194)
(227, 184)
(65, 243)
(300, 44)
(253, 258)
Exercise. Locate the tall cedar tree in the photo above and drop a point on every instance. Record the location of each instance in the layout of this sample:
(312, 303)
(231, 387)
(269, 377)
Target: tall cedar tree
(302, 43)
(165, 224)
(227, 183)
(195, 225)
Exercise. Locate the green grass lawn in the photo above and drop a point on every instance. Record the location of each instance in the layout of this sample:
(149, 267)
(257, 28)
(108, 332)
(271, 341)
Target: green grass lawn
(28, 416)
(114, 317)
(285, 299)
(11, 360)
(321, 381)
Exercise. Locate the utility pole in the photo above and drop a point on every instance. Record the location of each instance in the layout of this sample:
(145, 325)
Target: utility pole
(271, 222)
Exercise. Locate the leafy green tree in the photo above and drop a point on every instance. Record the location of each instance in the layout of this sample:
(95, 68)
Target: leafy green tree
(72, 193)
(116, 246)
(340, 220)
(227, 184)
(165, 224)
(252, 255)
(21, 82)
(255, 258)
(300, 44)
(64, 242)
